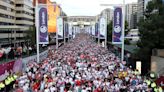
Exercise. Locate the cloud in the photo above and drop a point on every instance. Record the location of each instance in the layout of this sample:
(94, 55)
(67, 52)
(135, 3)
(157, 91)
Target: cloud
(86, 7)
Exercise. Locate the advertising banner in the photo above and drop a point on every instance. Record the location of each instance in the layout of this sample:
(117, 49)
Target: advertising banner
(103, 26)
(70, 30)
(5, 69)
(60, 27)
(117, 26)
(93, 30)
(43, 25)
(96, 29)
(66, 30)
(17, 66)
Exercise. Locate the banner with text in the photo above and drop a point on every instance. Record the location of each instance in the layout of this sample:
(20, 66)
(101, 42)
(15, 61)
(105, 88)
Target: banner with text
(117, 26)
(103, 26)
(43, 25)
(60, 27)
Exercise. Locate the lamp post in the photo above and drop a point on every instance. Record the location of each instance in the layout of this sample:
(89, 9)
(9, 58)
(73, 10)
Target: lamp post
(123, 25)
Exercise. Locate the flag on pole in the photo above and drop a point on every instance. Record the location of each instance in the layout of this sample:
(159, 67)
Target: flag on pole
(93, 30)
(43, 24)
(60, 27)
(103, 26)
(70, 30)
(117, 26)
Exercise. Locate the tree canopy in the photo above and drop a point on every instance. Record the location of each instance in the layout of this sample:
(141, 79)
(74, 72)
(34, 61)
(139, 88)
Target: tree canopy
(151, 29)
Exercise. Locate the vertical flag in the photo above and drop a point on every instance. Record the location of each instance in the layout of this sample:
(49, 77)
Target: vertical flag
(66, 30)
(70, 30)
(96, 30)
(117, 26)
(43, 25)
(60, 27)
(103, 26)
(93, 30)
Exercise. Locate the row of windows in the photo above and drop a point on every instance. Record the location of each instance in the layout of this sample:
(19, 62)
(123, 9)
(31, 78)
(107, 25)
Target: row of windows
(9, 31)
(24, 19)
(6, 16)
(26, 25)
(9, 2)
(5, 23)
(25, 6)
(6, 8)
(25, 12)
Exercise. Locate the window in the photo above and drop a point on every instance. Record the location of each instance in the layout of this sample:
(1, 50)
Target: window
(3, 7)
(6, 16)
(24, 19)
(19, 5)
(5, 23)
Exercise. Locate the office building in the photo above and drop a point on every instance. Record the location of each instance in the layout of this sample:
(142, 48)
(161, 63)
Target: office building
(131, 15)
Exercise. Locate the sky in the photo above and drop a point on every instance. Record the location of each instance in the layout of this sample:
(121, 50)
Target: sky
(87, 7)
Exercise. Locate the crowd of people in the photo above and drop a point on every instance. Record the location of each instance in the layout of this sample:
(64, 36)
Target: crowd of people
(81, 65)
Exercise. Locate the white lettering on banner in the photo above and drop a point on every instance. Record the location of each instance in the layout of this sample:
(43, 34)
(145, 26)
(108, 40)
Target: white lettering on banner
(118, 18)
(43, 18)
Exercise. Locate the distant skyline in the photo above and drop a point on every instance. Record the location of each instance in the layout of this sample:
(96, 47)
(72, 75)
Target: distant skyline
(87, 7)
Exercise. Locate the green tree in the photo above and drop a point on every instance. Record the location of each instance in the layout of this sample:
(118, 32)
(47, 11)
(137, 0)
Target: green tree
(151, 28)
(31, 36)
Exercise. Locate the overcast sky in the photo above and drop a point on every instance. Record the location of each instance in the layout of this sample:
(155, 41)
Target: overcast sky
(86, 7)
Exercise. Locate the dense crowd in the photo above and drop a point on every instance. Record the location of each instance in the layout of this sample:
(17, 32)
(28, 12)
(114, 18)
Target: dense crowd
(82, 66)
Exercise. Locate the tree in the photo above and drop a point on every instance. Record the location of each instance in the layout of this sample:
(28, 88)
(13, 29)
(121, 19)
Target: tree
(31, 35)
(151, 29)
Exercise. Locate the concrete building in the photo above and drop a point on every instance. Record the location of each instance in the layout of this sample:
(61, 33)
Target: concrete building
(131, 15)
(157, 59)
(140, 9)
(109, 13)
(16, 16)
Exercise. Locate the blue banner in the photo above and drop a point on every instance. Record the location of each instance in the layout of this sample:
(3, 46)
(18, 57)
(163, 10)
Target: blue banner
(117, 26)
(43, 25)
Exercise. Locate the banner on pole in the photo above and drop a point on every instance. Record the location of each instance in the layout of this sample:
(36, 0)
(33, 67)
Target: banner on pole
(117, 26)
(70, 30)
(96, 29)
(60, 27)
(66, 30)
(43, 25)
(103, 26)
(93, 30)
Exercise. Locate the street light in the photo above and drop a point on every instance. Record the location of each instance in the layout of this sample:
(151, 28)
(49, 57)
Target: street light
(123, 23)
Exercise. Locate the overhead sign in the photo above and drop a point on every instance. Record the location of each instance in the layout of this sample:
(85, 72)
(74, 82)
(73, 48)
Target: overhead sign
(43, 25)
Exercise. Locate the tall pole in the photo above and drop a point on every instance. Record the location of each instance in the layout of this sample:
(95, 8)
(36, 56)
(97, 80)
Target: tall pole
(98, 33)
(57, 39)
(64, 31)
(106, 17)
(123, 31)
(37, 30)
